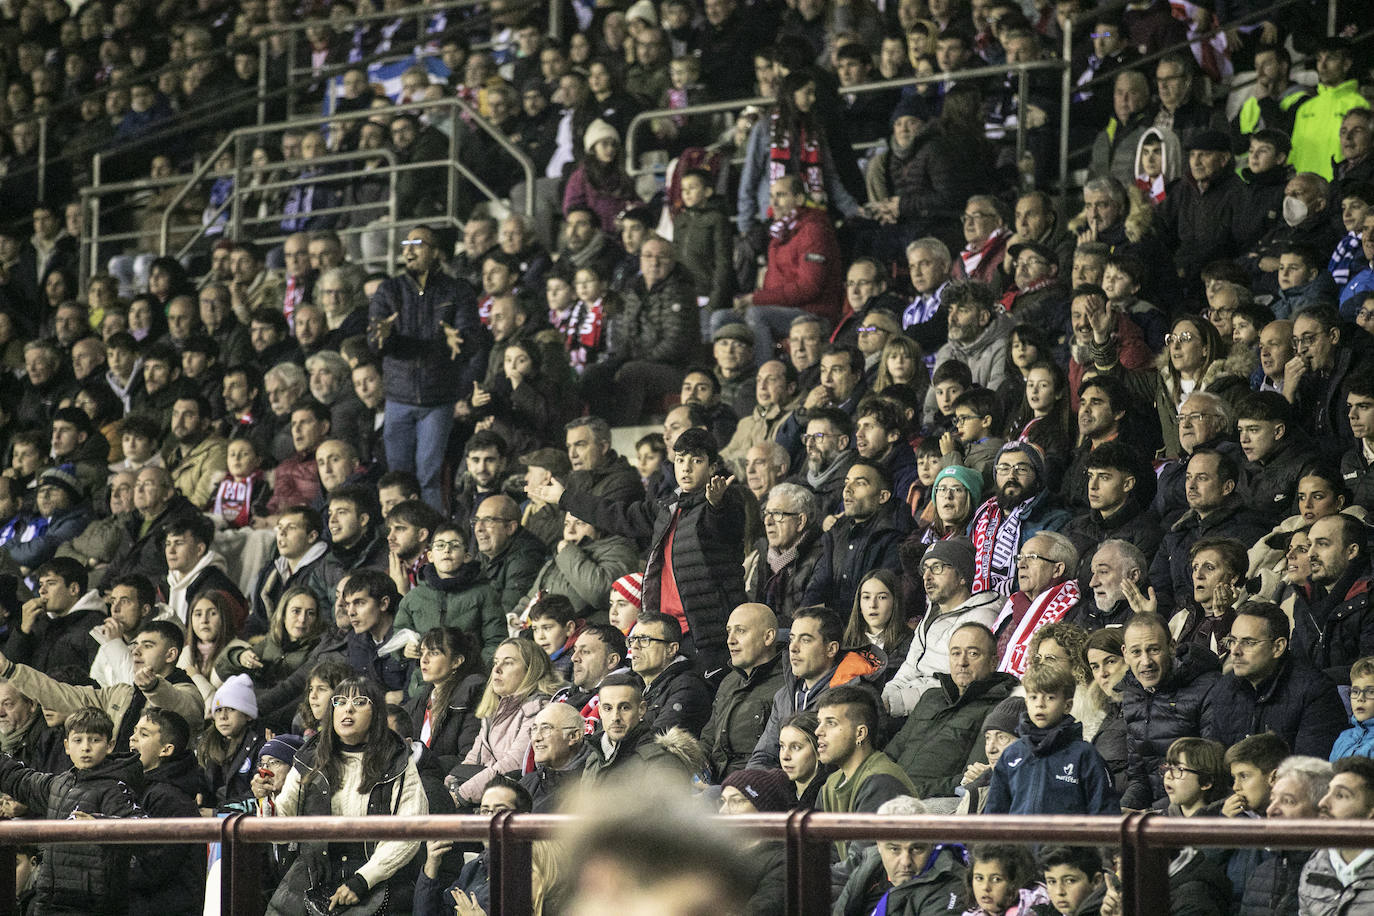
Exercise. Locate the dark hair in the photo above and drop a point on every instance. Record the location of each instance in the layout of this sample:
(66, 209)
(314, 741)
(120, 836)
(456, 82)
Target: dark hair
(1311, 258)
(1118, 397)
(196, 525)
(1227, 469)
(169, 630)
(378, 746)
(1114, 456)
(454, 643)
(838, 420)
(364, 500)
(418, 513)
(1016, 860)
(697, 442)
(331, 671)
(623, 679)
(1083, 858)
(377, 585)
(1264, 751)
(143, 587)
(76, 417)
(854, 354)
(553, 607)
(611, 636)
(408, 483)
(1231, 551)
(524, 802)
(272, 318)
(309, 515)
(982, 401)
(951, 370)
(1273, 616)
(70, 571)
(882, 411)
(90, 720)
(320, 412)
(831, 626)
(172, 728)
(486, 439)
(883, 475)
(858, 699)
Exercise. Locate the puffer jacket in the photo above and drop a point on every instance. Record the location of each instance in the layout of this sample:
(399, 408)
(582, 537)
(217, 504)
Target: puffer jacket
(80, 878)
(708, 550)
(416, 363)
(465, 601)
(805, 268)
(850, 550)
(785, 590)
(678, 697)
(705, 243)
(1335, 629)
(1273, 886)
(1197, 885)
(944, 732)
(740, 714)
(170, 880)
(1320, 893)
(1110, 741)
(928, 656)
(583, 573)
(40, 548)
(1274, 480)
(938, 889)
(1355, 741)
(1181, 706)
(547, 786)
(1298, 703)
(1171, 570)
(59, 642)
(660, 324)
(1196, 222)
(502, 742)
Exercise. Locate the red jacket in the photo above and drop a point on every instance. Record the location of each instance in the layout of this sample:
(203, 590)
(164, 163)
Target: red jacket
(804, 268)
(297, 482)
(1134, 354)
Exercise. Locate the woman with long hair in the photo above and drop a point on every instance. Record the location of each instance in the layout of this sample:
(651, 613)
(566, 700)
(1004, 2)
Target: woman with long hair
(167, 279)
(1027, 346)
(1105, 657)
(443, 712)
(314, 706)
(355, 767)
(879, 619)
(799, 757)
(1044, 416)
(903, 364)
(211, 628)
(522, 680)
(293, 629)
(600, 183)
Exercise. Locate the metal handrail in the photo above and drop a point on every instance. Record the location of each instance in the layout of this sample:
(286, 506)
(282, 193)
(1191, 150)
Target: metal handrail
(1022, 70)
(1143, 839)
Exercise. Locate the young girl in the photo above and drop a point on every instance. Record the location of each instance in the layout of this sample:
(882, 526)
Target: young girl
(1027, 346)
(1107, 666)
(626, 598)
(293, 630)
(878, 619)
(1044, 417)
(244, 491)
(314, 706)
(231, 742)
(1195, 777)
(1002, 882)
(444, 711)
(800, 759)
(215, 618)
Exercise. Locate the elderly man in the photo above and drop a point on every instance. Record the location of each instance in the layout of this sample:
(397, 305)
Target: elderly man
(1115, 564)
(985, 243)
(765, 465)
(35, 744)
(909, 876)
(1334, 625)
(1205, 421)
(784, 560)
(866, 295)
(944, 732)
(732, 352)
(218, 318)
(1199, 212)
(1021, 507)
(1047, 592)
(805, 339)
(661, 333)
(979, 333)
(1037, 296)
(775, 389)
(1268, 690)
(558, 740)
(741, 706)
(866, 537)
(1105, 208)
(946, 574)
(828, 452)
(596, 467)
(1215, 510)
(1166, 695)
(156, 503)
(923, 320)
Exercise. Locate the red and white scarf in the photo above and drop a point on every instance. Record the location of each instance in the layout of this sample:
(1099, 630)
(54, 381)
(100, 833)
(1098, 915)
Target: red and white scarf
(971, 259)
(234, 499)
(804, 161)
(996, 538)
(1049, 607)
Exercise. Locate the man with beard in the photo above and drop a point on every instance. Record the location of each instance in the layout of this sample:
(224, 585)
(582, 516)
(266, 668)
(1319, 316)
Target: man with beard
(1090, 301)
(197, 460)
(1102, 405)
(829, 433)
(486, 467)
(599, 651)
(864, 538)
(1021, 508)
(243, 409)
(1116, 562)
(1333, 625)
(424, 323)
(979, 333)
(775, 387)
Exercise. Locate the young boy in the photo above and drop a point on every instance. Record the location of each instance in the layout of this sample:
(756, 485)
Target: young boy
(138, 439)
(1073, 879)
(1193, 776)
(1348, 259)
(554, 623)
(1122, 278)
(627, 595)
(681, 131)
(650, 451)
(172, 781)
(1050, 769)
(1358, 739)
(451, 593)
(951, 379)
(80, 877)
(972, 443)
(704, 236)
(244, 491)
(1253, 762)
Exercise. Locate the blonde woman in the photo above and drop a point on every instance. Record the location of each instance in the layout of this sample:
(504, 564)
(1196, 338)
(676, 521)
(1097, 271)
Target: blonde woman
(522, 680)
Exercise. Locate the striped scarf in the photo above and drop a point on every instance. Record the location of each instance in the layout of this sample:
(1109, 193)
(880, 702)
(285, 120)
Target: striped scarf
(1049, 607)
(996, 537)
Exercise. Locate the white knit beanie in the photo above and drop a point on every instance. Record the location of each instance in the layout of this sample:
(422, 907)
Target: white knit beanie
(237, 693)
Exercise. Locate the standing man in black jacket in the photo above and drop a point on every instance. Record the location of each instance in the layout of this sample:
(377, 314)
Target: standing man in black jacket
(434, 349)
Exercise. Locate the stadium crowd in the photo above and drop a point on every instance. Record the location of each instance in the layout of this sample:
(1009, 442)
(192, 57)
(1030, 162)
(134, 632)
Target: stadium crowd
(970, 495)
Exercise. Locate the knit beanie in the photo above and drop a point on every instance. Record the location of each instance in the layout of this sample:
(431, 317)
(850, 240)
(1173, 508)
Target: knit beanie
(631, 588)
(957, 552)
(1032, 453)
(769, 790)
(968, 478)
(282, 747)
(1006, 715)
(237, 693)
(597, 131)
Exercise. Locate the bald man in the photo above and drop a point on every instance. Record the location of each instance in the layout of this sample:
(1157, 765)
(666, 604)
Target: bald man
(745, 698)
(557, 738)
(511, 557)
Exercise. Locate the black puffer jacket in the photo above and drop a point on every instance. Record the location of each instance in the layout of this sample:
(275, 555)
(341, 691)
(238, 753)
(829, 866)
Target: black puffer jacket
(1335, 628)
(80, 878)
(1110, 742)
(1274, 481)
(1181, 706)
(853, 548)
(455, 735)
(417, 365)
(170, 880)
(660, 323)
(785, 590)
(1358, 475)
(1297, 703)
(1273, 886)
(740, 714)
(547, 786)
(708, 550)
(678, 698)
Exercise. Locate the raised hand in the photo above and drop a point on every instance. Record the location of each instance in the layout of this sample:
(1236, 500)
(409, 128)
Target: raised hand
(715, 489)
(1147, 603)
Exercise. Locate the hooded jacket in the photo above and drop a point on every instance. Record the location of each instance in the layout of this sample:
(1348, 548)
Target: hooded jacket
(465, 601)
(940, 888)
(211, 573)
(1051, 771)
(928, 657)
(170, 879)
(278, 576)
(1180, 706)
(705, 243)
(1274, 480)
(64, 525)
(944, 732)
(1171, 162)
(80, 878)
(1355, 741)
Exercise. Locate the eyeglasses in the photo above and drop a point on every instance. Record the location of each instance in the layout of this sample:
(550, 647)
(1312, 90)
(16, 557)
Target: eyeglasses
(1101, 34)
(1218, 312)
(1362, 693)
(974, 217)
(441, 546)
(487, 521)
(773, 515)
(413, 243)
(1247, 644)
(949, 491)
(872, 329)
(1305, 340)
(540, 729)
(1027, 557)
(817, 437)
(1032, 262)
(961, 419)
(934, 567)
(640, 642)
(357, 701)
(1020, 470)
(489, 810)
(1175, 771)
(1196, 416)
(1180, 337)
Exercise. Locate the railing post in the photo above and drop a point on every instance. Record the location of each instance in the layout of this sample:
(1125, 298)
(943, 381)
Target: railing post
(1022, 113)
(42, 158)
(511, 861)
(808, 870)
(263, 50)
(241, 870)
(1330, 17)
(95, 214)
(236, 207)
(9, 890)
(1144, 868)
(1065, 101)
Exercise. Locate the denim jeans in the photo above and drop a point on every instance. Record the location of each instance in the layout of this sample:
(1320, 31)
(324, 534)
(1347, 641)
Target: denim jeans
(416, 439)
(770, 323)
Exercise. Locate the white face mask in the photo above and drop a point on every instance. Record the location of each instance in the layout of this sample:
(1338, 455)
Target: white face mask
(1294, 211)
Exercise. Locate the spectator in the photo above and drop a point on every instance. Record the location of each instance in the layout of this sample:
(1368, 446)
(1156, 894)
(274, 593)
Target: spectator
(1338, 877)
(561, 750)
(784, 560)
(1333, 624)
(1022, 507)
(600, 182)
(864, 776)
(675, 696)
(1047, 592)
(866, 537)
(1317, 121)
